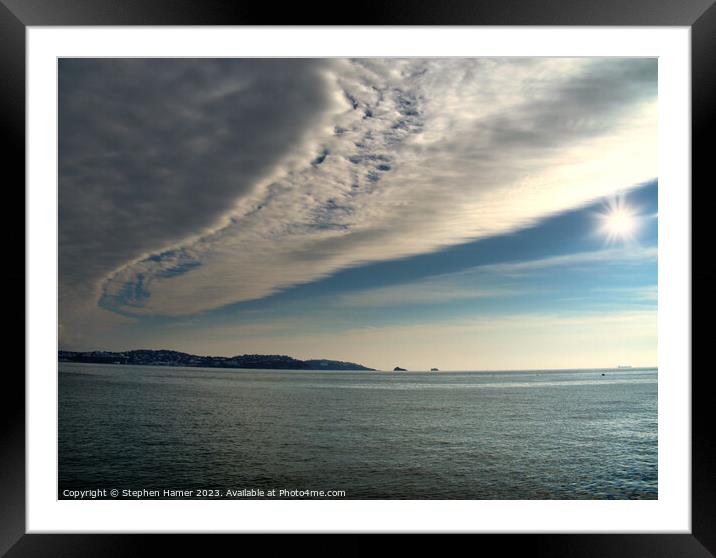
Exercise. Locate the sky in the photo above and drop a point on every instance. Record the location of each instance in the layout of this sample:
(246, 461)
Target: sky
(460, 213)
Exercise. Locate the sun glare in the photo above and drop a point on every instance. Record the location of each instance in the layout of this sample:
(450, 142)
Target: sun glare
(619, 222)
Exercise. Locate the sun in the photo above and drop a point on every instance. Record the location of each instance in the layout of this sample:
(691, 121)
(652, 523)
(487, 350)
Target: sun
(619, 222)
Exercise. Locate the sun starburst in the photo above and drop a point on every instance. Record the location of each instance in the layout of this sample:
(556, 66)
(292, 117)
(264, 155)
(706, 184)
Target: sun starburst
(619, 222)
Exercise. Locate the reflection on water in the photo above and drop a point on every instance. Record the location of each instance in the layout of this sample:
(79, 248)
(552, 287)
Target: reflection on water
(512, 435)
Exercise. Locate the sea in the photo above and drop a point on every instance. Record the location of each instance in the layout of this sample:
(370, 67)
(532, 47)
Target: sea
(152, 432)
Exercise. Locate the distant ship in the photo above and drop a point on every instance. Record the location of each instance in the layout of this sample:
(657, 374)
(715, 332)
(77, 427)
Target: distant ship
(434, 370)
(399, 369)
(624, 366)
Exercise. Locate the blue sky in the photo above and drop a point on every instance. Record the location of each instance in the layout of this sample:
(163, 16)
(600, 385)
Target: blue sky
(464, 214)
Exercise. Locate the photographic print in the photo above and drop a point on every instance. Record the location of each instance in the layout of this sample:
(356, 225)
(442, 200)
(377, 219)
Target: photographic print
(371, 278)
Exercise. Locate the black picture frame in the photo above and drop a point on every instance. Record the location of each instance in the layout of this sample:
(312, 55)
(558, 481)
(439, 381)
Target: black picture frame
(699, 15)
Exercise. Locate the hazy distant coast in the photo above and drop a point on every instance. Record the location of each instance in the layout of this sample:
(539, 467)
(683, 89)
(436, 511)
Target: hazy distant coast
(175, 358)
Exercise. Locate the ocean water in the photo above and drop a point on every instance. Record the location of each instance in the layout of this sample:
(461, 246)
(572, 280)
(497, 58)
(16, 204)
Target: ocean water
(366, 435)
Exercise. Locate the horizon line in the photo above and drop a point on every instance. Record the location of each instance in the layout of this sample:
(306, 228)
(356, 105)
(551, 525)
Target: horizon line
(487, 370)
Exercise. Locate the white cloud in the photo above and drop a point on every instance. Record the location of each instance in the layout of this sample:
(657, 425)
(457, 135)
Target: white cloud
(625, 254)
(488, 281)
(416, 155)
(427, 292)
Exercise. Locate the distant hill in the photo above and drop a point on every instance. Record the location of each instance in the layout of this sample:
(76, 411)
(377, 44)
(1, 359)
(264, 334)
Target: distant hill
(175, 358)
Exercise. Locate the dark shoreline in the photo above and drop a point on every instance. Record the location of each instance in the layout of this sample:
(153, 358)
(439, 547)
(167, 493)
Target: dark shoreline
(146, 357)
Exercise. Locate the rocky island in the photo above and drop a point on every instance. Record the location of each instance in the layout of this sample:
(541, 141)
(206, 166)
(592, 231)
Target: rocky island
(145, 357)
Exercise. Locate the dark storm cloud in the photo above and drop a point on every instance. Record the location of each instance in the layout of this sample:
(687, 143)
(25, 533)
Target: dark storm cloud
(153, 150)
